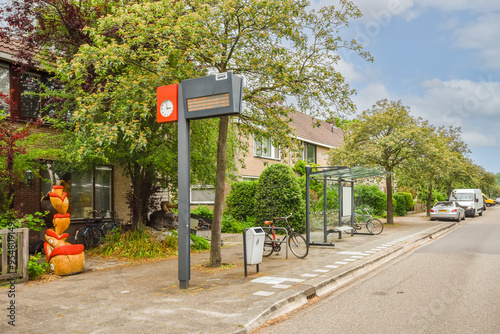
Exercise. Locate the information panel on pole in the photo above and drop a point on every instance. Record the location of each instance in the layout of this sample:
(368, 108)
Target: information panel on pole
(212, 96)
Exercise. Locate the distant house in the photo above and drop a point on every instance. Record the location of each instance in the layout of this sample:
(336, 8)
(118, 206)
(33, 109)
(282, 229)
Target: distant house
(313, 144)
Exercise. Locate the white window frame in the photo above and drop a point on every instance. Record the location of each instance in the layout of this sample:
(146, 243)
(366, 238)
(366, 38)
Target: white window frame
(270, 152)
(305, 152)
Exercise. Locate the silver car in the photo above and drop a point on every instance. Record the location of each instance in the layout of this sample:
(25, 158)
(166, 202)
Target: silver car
(497, 200)
(447, 210)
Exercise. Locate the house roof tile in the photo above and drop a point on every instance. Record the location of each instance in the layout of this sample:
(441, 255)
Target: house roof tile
(326, 135)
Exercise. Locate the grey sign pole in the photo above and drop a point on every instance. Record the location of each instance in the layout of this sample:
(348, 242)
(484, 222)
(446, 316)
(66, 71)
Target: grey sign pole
(184, 186)
(206, 97)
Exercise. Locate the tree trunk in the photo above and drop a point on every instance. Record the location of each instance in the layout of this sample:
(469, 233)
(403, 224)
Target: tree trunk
(390, 210)
(220, 184)
(429, 201)
(139, 197)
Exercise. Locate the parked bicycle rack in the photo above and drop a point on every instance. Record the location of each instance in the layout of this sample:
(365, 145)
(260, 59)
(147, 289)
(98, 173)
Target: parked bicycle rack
(279, 241)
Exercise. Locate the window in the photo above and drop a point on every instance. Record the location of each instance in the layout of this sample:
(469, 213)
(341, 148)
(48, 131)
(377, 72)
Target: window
(87, 191)
(4, 87)
(30, 104)
(264, 148)
(309, 152)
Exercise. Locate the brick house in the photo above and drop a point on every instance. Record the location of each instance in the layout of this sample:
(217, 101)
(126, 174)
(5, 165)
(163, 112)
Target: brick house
(103, 188)
(313, 144)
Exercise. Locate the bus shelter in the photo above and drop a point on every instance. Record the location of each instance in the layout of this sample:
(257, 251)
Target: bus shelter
(324, 219)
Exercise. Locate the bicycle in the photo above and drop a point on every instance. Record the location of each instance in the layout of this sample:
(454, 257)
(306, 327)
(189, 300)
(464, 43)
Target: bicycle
(373, 226)
(296, 242)
(93, 233)
(83, 235)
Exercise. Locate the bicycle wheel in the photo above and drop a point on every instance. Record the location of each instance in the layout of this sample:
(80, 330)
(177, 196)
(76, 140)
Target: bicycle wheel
(378, 227)
(298, 245)
(99, 235)
(79, 236)
(369, 226)
(355, 225)
(268, 246)
(88, 237)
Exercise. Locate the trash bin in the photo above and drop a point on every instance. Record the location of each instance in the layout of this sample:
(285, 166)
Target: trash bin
(254, 244)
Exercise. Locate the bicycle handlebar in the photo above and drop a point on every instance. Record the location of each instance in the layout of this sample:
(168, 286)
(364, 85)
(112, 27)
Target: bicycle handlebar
(290, 215)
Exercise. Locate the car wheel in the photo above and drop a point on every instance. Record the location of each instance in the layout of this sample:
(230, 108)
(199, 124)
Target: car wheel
(463, 218)
(458, 218)
(432, 219)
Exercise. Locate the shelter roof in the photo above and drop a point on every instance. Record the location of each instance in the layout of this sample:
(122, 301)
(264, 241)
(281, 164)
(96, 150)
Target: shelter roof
(346, 173)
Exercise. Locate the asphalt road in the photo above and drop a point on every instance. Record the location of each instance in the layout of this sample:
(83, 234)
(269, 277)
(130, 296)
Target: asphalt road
(451, 285)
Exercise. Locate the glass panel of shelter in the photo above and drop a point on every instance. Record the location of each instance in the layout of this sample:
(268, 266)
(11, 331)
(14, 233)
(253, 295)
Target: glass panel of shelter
(321, 220)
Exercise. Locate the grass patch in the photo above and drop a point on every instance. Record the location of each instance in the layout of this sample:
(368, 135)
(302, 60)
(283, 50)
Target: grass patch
(142, 244)
(137, 245)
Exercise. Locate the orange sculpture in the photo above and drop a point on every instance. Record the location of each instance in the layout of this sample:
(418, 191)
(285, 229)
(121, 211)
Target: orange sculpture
(63, 258)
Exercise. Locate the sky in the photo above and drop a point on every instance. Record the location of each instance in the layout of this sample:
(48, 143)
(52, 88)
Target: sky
(441, 58)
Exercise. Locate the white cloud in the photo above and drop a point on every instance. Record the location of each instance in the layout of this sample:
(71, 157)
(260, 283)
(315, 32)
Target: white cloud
(472, 105)
(482, 34)
(371, 93)
(476, 139)
(455, 101)
(484, 6)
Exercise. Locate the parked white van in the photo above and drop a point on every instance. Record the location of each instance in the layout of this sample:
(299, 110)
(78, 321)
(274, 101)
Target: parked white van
(470, 199)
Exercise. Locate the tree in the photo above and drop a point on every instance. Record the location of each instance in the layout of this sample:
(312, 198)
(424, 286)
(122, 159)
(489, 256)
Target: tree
(385, 136)
(107, 125)
(282, 48)
(441, 165)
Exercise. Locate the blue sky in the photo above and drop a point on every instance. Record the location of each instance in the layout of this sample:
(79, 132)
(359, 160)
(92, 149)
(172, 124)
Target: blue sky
(439, 57)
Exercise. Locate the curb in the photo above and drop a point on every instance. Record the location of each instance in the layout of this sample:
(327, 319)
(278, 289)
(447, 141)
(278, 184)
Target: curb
(324, 286)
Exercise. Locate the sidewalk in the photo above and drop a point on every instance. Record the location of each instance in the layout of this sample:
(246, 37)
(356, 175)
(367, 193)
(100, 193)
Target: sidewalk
(145, 298)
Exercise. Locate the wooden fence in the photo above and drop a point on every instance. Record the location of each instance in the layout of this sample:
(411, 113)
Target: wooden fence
(15, 253)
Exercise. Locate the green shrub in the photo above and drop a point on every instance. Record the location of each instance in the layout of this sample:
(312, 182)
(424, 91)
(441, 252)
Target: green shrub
(437, 196)
(203, 211)
(315, 186)
(278, 194)
(371, 196)
(408, 199)
(399, 204)
(35, 268)
(241, 199)
(332, 200)
(199, 243)
(232, 225)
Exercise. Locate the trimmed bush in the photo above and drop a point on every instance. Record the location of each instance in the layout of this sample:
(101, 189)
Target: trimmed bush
(241, 199)
(372, 196)
(408, 199)
(399, 204)
(278, 194)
